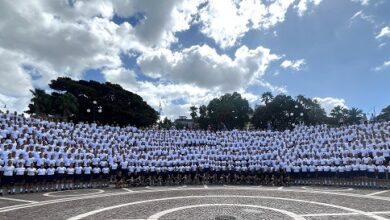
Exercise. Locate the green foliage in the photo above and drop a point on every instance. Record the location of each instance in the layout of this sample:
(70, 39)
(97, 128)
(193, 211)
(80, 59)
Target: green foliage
(41, 103)
(385, 114)
(341, 115)
(283, 112)
(194, 114)
(203, 120)
(226, 112)
(354, 116)
(68, 105)
(338, 114)
(267, 97)
(165, 124)
(73, 98)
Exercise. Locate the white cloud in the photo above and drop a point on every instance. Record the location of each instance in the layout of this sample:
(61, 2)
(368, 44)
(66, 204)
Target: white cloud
(204, 67)
(274, 89)
(66, 38)
(226, 21)
(126, 77)
(294, 65)
(363, 2)
(360, 14)
(385, 32)
(168, 93)
(302, 6)
(382, 45)
(328, 103)
(385, 65)
(162, 18)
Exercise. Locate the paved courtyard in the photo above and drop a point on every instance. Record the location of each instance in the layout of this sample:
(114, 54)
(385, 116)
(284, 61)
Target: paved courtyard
(201, 202)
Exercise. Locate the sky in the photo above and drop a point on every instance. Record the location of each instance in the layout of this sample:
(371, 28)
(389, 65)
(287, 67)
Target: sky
(180, 53)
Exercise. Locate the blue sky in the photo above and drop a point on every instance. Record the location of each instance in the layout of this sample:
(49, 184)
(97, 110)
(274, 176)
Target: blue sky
(179, 53)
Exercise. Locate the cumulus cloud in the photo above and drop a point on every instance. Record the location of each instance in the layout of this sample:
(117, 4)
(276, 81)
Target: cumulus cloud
(303, 5)
(162, 18)
(167, 94)
(42, 40)
(226, 21)
(204, 67)
(328, 103)
(294, 65)
(385, 32)
(385, 65)
(66, 38)
(126, 77)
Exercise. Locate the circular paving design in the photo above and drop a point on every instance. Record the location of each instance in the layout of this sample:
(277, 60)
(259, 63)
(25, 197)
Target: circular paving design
(202, 202)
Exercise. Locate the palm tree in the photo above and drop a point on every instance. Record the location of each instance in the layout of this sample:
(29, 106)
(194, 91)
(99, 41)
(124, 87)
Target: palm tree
(68, 105)
(337, 112)
(267, 97)
(194, 113)
(385, 114)
(354, 115)
(41, 102)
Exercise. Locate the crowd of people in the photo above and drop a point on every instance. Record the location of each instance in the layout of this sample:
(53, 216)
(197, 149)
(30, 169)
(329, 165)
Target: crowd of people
(42, 155)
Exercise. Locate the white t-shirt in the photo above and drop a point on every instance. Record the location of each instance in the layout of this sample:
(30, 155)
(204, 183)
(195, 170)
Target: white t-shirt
(31, 171)
(19, 171)
(8, 170)
(41, 171)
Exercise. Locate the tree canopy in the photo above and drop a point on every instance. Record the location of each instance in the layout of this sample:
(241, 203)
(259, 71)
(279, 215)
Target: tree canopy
(278, 112)
(83, 100)
(283, 112)
(226, 112)
(385, 114)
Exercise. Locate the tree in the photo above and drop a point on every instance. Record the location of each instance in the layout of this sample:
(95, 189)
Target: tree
(194, 114)
(338, 114)
(203, 120)
(166, 123)
(385, 114)
(118, 105)
(228, 111)
(41, 103)
(354, 115)
(68, 105)
(283, 112)
(312, 110)
(267, 97)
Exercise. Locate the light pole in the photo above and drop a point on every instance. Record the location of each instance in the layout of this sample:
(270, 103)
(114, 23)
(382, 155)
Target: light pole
(3, 106)
(93, 110)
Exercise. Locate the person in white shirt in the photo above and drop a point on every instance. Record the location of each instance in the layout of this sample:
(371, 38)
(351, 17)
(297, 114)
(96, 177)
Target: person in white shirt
(41, 178)
(114, 171)
(87, 176)
(106, 176)
(7, 179)
(381, 175)
(20, 172)
(78, 177)
(96, 176)
(31, 178)
(69, 177)
(51, 177)
(60, 177)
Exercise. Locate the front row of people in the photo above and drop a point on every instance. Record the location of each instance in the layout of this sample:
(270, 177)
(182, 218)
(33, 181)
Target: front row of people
(33, 179)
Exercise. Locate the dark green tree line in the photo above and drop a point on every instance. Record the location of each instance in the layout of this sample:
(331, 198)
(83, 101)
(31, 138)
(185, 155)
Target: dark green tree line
(83, 100)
